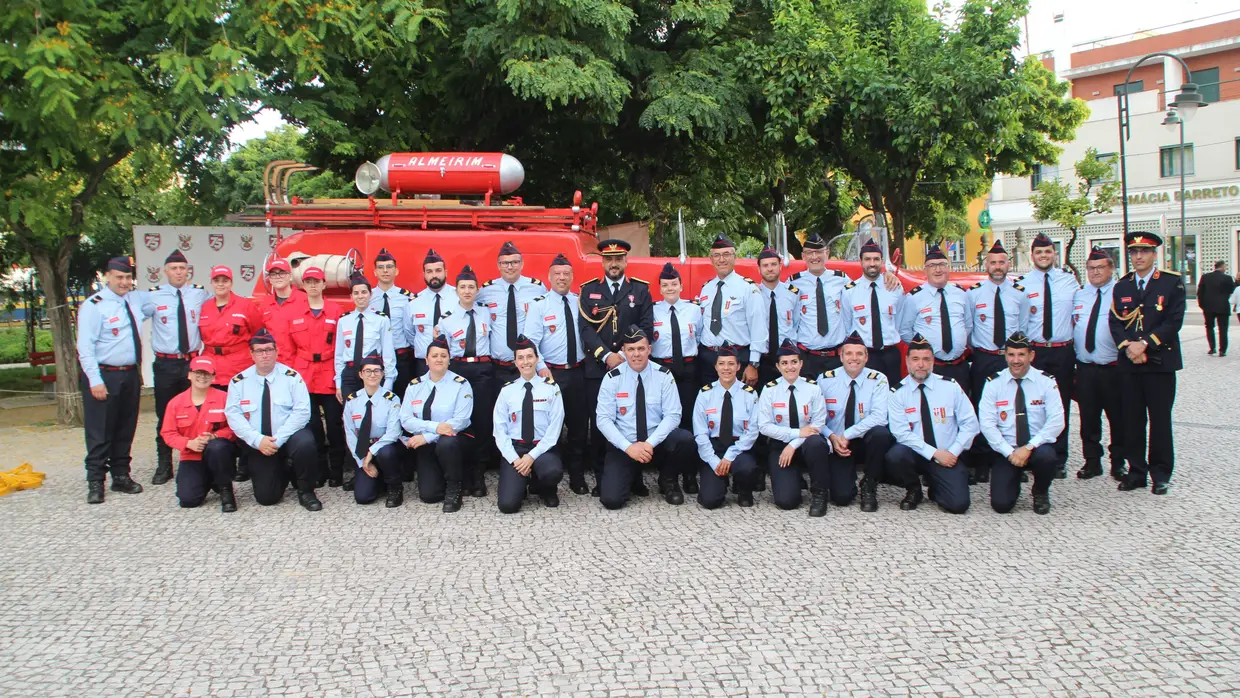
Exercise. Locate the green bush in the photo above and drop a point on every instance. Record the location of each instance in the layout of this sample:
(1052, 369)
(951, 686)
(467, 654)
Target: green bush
(13, 344)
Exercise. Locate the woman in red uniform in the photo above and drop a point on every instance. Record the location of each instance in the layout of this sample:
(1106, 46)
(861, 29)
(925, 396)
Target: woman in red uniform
(195, 425)
(227, 322)
(312, 331)
(279, 307)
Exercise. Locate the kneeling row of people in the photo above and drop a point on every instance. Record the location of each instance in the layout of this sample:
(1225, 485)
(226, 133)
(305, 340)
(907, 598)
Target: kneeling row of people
(825, 426)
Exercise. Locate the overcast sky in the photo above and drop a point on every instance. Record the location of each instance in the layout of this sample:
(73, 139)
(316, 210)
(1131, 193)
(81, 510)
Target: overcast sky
(1084, 21)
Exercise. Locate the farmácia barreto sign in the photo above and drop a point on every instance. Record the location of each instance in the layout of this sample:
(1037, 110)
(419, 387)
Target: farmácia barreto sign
(1230, 191)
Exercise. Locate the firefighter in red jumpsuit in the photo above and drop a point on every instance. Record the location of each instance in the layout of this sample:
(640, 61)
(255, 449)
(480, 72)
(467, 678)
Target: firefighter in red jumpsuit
(195, 425)
(280, 306)
(227, 322)
(312, 334)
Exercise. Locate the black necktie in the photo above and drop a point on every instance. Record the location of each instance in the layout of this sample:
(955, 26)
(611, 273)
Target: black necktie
(945, 321)
(363, 434)
(615, 291)
(876, 318)
(571, 327)
(1092, 328)
(527, 414)
(426, 406)
(1047, 318)
(471, 337)
(678, 351)
(1022, 419)
(387, 309)
(437, 313)
(512, 318)
(265, 418)
(927, 419)
(821, 309)
(357, 341)
(851, 407)
(1141, 285)
(182, 326)
(716, 311)
(640, 406)
(772, 326)
(133, 330)
(794, 418)
(725, 418)
(1000, 337)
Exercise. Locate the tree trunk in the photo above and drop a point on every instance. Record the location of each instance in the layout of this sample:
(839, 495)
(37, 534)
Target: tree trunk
(54, 278)
(1067, 255)
(897, 229)
(645, 183)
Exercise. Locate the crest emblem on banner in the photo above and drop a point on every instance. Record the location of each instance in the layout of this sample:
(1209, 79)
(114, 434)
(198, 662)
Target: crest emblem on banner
(191, 272)
(271, 241)
(151, 240)
(186, 242)
(247, 272)
(215, 241)
(247, 242)
(152, 273)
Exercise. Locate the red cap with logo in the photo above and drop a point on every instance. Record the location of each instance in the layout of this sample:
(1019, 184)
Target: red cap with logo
(313, 273)
(202, 363)
(221, 270)
(278, 264)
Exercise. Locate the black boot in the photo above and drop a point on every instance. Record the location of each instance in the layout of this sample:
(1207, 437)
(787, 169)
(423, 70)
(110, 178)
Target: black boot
(1042, 503)
(691, 484)
(639, 488)
(452, 498)
(550, 498)
(94, 492)
(395, 496)
(818, 503)
(1091, 470)
(124, 483)
(912, 498)
(228, 501)
(163, 470)
(744, 497)
(671, 492)
(308, 500)
(869, 495)
(759, 481)
(577, 481)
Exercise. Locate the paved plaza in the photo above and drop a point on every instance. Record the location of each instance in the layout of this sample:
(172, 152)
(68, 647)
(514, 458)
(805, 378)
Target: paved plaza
(1114, 593)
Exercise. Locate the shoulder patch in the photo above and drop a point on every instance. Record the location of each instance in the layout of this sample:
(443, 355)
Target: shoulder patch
(850, 284)
(976, 285)
(664, 369)
(349, 397)
(1018, 287)
(406, 292)
(238, 378)
(539, 298)
(549, 380)
(829, 374)
(487, 283)
(749, 389)
(839, 273)
(916, 290)
(794, 289)
(415, 381)
(772, 384)
(640, 281)
(812, 381)
(460, 379)
(614, 372)
(707, 387)
(96, 298)
(872, 375)
(290, 372)
(389, 395)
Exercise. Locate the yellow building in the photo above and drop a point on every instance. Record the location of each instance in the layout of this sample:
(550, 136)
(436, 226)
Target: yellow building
(965, 252)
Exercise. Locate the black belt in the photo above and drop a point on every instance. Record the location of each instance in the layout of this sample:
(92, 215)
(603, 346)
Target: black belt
(562, 367)
(177, 357)
(668, 362)
(130, 367)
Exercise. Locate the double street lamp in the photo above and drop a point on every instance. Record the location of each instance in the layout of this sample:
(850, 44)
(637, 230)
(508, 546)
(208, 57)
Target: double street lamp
(1179, 111)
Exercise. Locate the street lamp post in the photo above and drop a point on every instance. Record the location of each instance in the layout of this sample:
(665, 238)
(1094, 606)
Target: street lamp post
(1171, 121)
(1185, 104)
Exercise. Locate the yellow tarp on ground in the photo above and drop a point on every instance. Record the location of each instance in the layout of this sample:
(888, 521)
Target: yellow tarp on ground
(23, 477)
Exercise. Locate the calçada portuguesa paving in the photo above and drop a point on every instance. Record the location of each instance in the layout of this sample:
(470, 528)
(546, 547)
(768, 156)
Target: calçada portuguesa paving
(1112, 594)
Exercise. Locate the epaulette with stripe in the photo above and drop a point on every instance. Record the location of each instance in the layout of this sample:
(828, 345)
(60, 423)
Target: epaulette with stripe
(772, 384)
(1129, 276)
(460, 379)
(749, 389)
(349, 397)
(873, 375)
(829, 374)
(962, 288)
(96, 298)
(850, 284)
(664, 369)
(916, 289)
(290, 372)
(794, 289)
(590, 281)
(992, 377)
(153, 289)
(976, 285)
(1019, 278)
(197, 286)
(707, 387)
(444, 314)
(536, 282)
(238, 378)
(549, 380)
(947, 378)
(514, 380)
(380, 313)
(812, 381)
(415, 381)
(755, 283)
(539, 298)
(406, 292)
(614, 372)
(1168, 271)
(389, 395)
(1018, 287)
(839, 273)
(487, 283)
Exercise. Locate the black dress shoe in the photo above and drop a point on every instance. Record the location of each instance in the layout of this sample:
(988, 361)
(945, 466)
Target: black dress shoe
(578, 486)
(1130, 483)
(869, 496)
(1061, 473)
(594, 491)
(395, 497)
(452, 499)
(228, 501)
(125, 484)
(818, 504)
(94, 492)
(674, 495)
(1119, 472)
(550, 500)
(1210, 353)
(1091, 470)
(308, 501)
(691, 485)
(334, 482)
(243, 474)
(1160, 488)
(162, 474)
(911, 499)
(744, 498)
(639, 489)
(1042, 504)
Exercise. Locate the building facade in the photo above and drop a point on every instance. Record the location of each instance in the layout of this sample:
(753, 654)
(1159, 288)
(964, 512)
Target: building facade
(1211, 151)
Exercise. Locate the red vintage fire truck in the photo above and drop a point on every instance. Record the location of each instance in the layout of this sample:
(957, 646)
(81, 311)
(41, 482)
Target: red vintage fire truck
(415, 213)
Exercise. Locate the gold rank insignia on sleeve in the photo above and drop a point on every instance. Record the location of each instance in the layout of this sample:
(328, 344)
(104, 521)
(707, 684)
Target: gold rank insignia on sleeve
(707, 387)
(873, 375)
(406, 292)
(349, 397)
(238, 378)
(389, 395)
(749, 389)
(460, 379)
(850, 284)
(549, 380)
(772, 384)
(290, 372)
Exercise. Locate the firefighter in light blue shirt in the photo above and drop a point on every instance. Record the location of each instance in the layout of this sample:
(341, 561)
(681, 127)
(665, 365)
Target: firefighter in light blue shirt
(677, 325)
(933, 422)
(360, 333)
(725, 427)
(792, 415)
(1021, 417)
(732, 312)
(268, 409)
(872, 310)
(821, 324)
(856, 402)
(392, 302)
(109, 352)
(506, 302)
(1097, 386)
(938, 311)
(436, 413)
(528, 416)
(639, 415)
(780, 299)
(372, 433)
(427, 308)
(466, 327)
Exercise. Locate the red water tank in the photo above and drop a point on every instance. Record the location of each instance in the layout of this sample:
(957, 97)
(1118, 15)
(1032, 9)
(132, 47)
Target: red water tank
(449, 173)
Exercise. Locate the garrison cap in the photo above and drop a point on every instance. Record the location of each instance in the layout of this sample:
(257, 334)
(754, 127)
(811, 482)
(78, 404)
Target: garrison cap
(262, 337)
(721, 242)
(371, 359)
(633, 335)
(787, 348)
(560, 261)
(176, 258)
(1097, 253)
(122, 264)
(814, 242)
(725, 349)
(854, 338)
(935, 254)
(668, 272)
(1042, 240)
(440, 341)
(431, 257)
(997, 248)
(1017, 340)
(358, 280)
(768, 253)
(919, 342)
(384, 256)
(508, 249)
(871, 246)
(524, 342)
(466, 274)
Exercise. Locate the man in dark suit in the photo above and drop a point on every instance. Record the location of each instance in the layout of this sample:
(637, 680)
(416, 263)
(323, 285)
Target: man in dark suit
(609, 306)
(1147, 311)
(1213, 297)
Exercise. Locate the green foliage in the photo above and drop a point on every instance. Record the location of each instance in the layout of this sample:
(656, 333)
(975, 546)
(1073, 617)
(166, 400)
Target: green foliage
(1097, 190)
(13, 344)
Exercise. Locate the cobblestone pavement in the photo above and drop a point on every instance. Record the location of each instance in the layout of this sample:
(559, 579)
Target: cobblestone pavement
(1112, 594)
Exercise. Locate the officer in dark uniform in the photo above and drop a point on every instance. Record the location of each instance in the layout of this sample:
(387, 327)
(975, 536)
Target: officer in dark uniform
(110, 352)
(1147, 310)
(608, 306)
